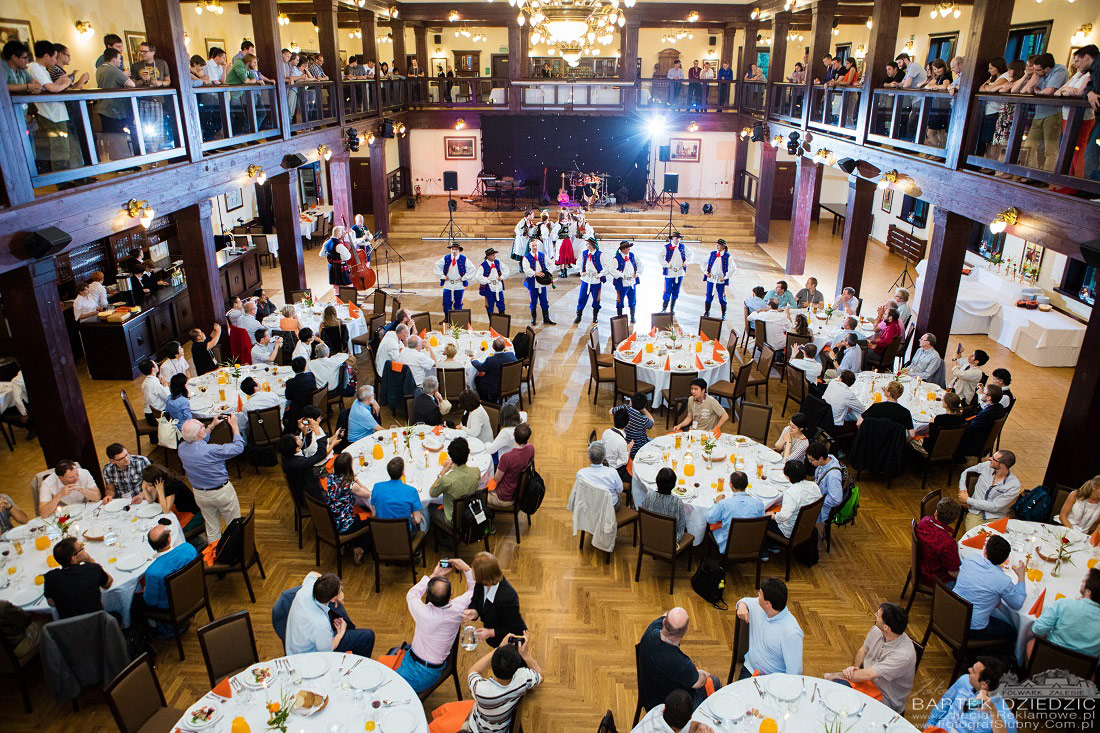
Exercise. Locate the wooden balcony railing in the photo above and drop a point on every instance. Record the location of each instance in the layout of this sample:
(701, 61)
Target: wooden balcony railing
(835, 109)
(312, 105)
(696, 94)
(746, 186)
(786, 102)
(568, 94)
(915, 120)
(754, 97)
(464, 92)
(236, 114)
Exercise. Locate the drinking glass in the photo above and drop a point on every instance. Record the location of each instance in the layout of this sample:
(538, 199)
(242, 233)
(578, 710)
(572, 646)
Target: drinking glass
(469, 638)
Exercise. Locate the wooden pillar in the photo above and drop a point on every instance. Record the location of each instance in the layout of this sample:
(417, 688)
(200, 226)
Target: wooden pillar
(821, 39)
(728, 37)
(269, 53)
(397, 28)
(940, 290)
(404, 154)
(14, 168)
(740, 160)
(380, 196)
(885, 18)
(284, 195)
(55, 402)
(858, 218)
(164, 29)
(628, 62)
(1073, 457)
(762, 225)
(748, 57)
(328, 40)
(517, 62)
(368, 26)
(806, 186)
(421, 33)
(200, 264)
(778, 62)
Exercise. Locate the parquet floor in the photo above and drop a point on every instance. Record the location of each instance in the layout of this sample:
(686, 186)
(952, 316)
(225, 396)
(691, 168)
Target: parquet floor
(584, 616)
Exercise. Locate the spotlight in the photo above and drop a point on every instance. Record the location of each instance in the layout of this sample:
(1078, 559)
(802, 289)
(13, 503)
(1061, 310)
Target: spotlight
(452, 204)
(848, 165)
(758, 134)
(352, 139)
(793, 144)
(708, 208)
(684, 207)
(655, 126)
(1006, 218)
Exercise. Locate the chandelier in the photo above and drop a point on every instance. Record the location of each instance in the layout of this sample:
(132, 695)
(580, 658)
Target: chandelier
(942, 10)
(572, 28)
(678, 36)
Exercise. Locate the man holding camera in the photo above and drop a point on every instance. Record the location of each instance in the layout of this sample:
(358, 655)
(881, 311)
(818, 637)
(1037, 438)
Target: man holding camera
(437, 623)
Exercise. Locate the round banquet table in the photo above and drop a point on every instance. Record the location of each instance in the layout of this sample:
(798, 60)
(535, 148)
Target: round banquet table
(738, 453)
(1024, 538)
(422, 464)
(216, 391)
(796, 703)
(351, 683)
(660, 358)
(827, 329)
(123, 552)
(471, 345)
(310, 317)
(924, 400)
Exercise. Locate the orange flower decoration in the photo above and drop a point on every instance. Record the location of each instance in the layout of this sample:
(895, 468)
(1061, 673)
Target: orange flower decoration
(273, 707)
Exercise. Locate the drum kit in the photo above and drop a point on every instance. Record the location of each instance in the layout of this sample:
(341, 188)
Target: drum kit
(591, 188)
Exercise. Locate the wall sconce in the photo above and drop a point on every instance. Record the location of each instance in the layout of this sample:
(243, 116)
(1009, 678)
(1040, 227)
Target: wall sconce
(393, 11)
(460, 123)
(294, 47)
(84, 27)
(453, 16)
(214, 7)
(777, 141)
(186, 40)
(836, 26)
(140, 210)
(356, 34)
(755, 14)
(324, 151)
(284, 19)
(400, 129)
(793, 145)
(316, 29)
(257, 173)
(745, 132)
(370, 139)
(693, 16)
(1082, 35)
(823, 154)
(1005, 219)
(870, 24)
(860, 52)
(693, 126)
(888, 178)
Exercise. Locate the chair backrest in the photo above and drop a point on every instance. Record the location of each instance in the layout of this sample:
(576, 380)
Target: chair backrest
(994, 433)
(804, 524)
(492, 409)
(661, 320)
(228, 645)
(626, 377)
(452, 381)
(594, 337)
(1047, 655)
(593, 365)
(409, 402)
(731, 344)
(740, 640)
(741, 384)
(248, 529)
(241, 241)
(319, 397)
(260, 240)
(796, 383)
(947, 443)
(620, 329)
(914, 548)
(186, 589)
(501, 323)
(511, 376)
(422, 321)
(658, 532)
(755, 421)
(1061, 493)
(395, 305)
(679, 385)
(951, 616)
(376, 322)
(297, 296)
(460, 318)
(761, 336)
(711, 327)
(379, 306)
(793, 340)
(264, 426)
(129, 409)
(458, 515)
(323, 523)
(221, 434)
(391, 539)
(928, 503)
(746, 538)
(765, 361)
(135, 695)
(971, 482)
(532, 344)
(348, 295)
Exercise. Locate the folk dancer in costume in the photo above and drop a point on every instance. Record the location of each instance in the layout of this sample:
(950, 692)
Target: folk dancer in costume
(624, 274)
(491, 276)
(593, 276)
(582, 230)
(524, 229)
(536, 277)
(564, 256)
(675, 263)
(546, 232)
(451, 271)
(338, 256)
(716, 274)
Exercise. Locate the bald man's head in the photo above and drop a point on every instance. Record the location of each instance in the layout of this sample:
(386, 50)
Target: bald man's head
(160, 538)
(676, 623)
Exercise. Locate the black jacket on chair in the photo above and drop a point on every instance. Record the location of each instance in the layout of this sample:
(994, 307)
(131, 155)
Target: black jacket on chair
(977, 429)
(425, 409)
(301, 477)
(880, 446)
(488, 384)
(501, 614)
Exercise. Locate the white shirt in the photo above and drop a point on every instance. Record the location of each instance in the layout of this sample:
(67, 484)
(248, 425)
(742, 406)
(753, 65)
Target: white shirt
(774, 328)
(842, 398)
(388, 348)
(628, 274)
(340, 250)
(504, 442)
(492, 279)
(603, 477)
(327, 369)
(156, 394)
(811, 366)
(172, 367)
(452, 280)
(214, 71)
(85, 305)
(653, 722)
(965, 381)
(259, 401)
(530, 271)
(249, 323)
(419, 362)
(795, 497)
(718, 273)
(615, 444)
(308, 628)
(675, 264)
(51, 486)
(477, 426)
(98, 293)
(52, 111)
(303, 349)
(263, 353)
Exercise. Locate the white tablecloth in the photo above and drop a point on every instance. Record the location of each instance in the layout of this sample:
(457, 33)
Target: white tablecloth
(348, 708)
(1024, 536)
(471, 345)
(742, 454)
(827, 329)
(310, 317)
(680, 358)
(125, 540)
(216, 391)
(778, 696)
(12, 395)
(1049, 339)
(924, 400)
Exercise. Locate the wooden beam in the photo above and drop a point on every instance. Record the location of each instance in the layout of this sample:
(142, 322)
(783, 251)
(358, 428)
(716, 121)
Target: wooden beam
(15, 170)
(164, 29)
(858, 218)
(740, 159)
(806, 185)
(821, 39)
(940, 286)
(762, 223)
(748, 55)
(265, 26)
(200, 264)
(1073, 457)
(628, 62)
(292, 266)
(368, 26)
(421, 33)
(517, 62)
(727, 45)
(339, 177)
(400, 60)
(380, 194)
(880, 50)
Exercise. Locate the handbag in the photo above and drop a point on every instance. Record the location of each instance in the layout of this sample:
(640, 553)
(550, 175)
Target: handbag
(168, 435)
(709, 582)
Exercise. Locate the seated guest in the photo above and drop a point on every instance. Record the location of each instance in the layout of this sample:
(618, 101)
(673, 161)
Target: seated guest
(938, 551)
(639, 420)
(299, 460)
(1003, 378)
(178, 405)
(168, 560)
(419, 358)
(308, 628)
(122, 473)
(884, 665)
(901, 297)
(828, 475)
(495, 602)
(1081, 509)
(994, 493)
(21, 630)
(847, 302)
(738, 505)
(782, 295)
(343, 491)
(298, 391)
(365, 415)
(304, 347)
(799, 327)
(616, 448)
(792, 441)
(804, 357)
(288, 320)
(200, 348)
(671, 716)
(160, 486)
(952, 417)
(514, 672)
(809, 296)
(402, 317)
(884, 337)
(966, 376)
(248, 320)
(437, 624)
(450, 360)
(510, 467)
(850, 326)
(8, 512)
(175, 363)
(264, 347)
(663, 664)
(326, 367)
(489, 370)
(970, 705)
(456, 480)
(333, 331)
(799, 494)
(85, 305)
(663, 502)
(253, 398)
(507, 422)
(889, 409)
(852, 358)
(236, 310)
(756, 301)
(428, 403)
(68, 484)
(603, 476)
(927, 364)
(775, 324)
(1072, 622)
(982, 423)
(264, 306)
(475, 418)
(395, 499)
(982, 582)
(156, 394)
(775, 637)
(703, 411)
(390, 345)
(76, 586)
(846, 405)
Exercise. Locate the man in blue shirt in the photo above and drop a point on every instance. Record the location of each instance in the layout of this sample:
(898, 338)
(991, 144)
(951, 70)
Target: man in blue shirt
(970, 705)
(775, 638)
(363, 417)
(828, 475)
(756, 302)
(982, 582)
(395, 499)
(308, 628)
(168, 560)
(1072, 622)
(738, 505)
(781, 294)
(205, 465)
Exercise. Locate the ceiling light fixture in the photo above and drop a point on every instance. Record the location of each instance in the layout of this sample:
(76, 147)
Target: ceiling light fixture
(889, 178)
(140, 210)
(284, 19)
(257, 173)
(324, 152)
(1005, 219)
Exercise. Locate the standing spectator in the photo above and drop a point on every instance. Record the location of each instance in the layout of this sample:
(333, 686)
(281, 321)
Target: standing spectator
(17, 57)
(694, 87)
(247, 47)
(215, 65)
(995, 492)
(114, 113)
(738, 505)
(639, 422)
(1091, 57)
(437, 624)
(205, 465)
(510, 467)
(675, 75)
(53, 117)
(1046, 123)
(75, 587)
(310, 626)
(725, 74)
(122, 474)
(884, 666)
(937, 550)
(775, 636)
(111, 40)
(200, 348)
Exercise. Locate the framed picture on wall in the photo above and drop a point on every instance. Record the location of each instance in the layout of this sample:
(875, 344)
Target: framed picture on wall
(13, 29)
(684, 149)
(460, 148)
(234, 199)
(887, 203)
(134, 39)
(1033, 258)
(212, 43)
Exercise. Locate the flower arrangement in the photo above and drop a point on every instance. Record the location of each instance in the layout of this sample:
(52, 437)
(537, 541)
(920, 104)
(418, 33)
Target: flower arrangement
(1064, 555)
(307, 300)
(406, 435)
(279, 712)
(63, 522)
(233, 366)
(456, 331)
(672, 333)
(708, 444)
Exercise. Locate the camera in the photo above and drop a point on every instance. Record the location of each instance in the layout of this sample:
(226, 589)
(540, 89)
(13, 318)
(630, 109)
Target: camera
(445, 562)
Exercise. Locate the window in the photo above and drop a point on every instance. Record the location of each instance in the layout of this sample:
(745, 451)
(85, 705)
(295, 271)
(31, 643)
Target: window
(942, 46)
(914, 211)
(1026, 40)
(763, 59)
(1079, 281)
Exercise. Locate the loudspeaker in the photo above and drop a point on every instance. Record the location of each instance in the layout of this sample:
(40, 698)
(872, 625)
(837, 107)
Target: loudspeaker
(46, 241)
(672, 183)
(712, 41)
(450, 180)
(664, 153)
(293, 160)
(847, 165)
(410, 203)
(387, 128)
(1090, 251)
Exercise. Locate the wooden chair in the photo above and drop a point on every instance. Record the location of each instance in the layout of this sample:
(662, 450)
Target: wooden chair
(734, 390)
(422, 321)
(349, 295)
(711, 327)
(301, 511)
(993, 437)
(950, 622)
(899, 357)
(625, 516)
(460, 317)
(137, 701)
(643, 691)
(452, 381)
(620, 330)
(914, 567)
(450, 669)
(140, 428)
(759, 342)
(740, 645)
(928, 503)
(746, 543)
(677, 391)
(528, 375)
(453, 530)
(501, 323)
(872, 360)
(319, 399)
(627, 383)
(1047, 655)
(659, 541)
(409, 402)
(394, 544)
(395, 305)
(263, 249)
(187, 596)
(297, 296)
(792, 340)
(378, 303)
(511, 382)
(249, 556)
(750, 331)
(493, 410)
(761, 375)
(1061, 494)
(943, 451)
(325, 531)
(604, 360)
(228, 646)
(803, 532)
(241, 241)
(796, 387)
(265, 427)
(661, 321)
(17, 665)
(517, 499)
(755, 421)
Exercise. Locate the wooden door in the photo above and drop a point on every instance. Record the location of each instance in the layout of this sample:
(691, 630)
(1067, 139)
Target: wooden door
(361, 188)
(783, 191)
(499, 68)
(665, 60)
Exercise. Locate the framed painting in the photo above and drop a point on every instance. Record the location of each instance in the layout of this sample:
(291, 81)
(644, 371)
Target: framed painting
(684, 149)
(134, 39)
(887, 203)
(1033, 259)
(234, 199)
(14, 29)
(213, 42)
(460, 148)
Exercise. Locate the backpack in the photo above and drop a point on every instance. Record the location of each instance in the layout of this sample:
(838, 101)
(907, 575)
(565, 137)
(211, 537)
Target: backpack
(348, 381)
(709, 582)
(1034, 505)
(521, 345)
(475, 523)
(230, 549)
(533, 494)
(846, 511)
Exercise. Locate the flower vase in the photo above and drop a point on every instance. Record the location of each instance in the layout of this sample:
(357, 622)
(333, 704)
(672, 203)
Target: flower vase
(1056, 571)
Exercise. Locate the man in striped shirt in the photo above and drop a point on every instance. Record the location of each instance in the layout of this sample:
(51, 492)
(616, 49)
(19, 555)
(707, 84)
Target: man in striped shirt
(640, 420)
(514, 672)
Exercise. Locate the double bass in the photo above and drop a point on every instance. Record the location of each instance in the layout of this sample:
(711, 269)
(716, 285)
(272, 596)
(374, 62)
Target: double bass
(363, 276)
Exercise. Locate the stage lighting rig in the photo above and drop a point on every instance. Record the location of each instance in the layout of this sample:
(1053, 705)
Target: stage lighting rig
(758, 134)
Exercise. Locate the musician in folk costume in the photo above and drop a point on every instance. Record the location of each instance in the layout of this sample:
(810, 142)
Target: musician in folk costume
(624, 275)
(451, 271)
(716, 274)
(491, 275)
(676, 259)
(361, 236)
(593, 276)
(536, 277)
(563, 254)
(524, 230)
(339, 256)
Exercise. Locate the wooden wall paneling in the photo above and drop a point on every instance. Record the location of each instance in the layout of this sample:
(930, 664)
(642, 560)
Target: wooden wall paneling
(200, 264)
(1073, 457)
(328, 39)
(379, 191)
(284, 192)
(858, 219)
(885, 18)
(762, 225)
(939, 291)
(269, 53)
(164, 29)
(807, 183)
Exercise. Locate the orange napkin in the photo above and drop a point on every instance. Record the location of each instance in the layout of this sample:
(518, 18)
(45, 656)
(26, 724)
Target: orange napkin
(718, 346)
(492, 485)
(397, 366)
(240, 404)
(1001, 525)
(867, 688)
(1094, 540)
(362, 512)
(1037, 609)
(493, 333)
(718, 432)
(715, 526)
(223, 689)
(353, 311)
(423, 332)
(703, 337)
(668, 364)
(339, 302)
(437, 430)
(638, 357)
(977, 541)
(469, 328)
(653, 332)
(698, 363)
(208, 553)
(630, 339)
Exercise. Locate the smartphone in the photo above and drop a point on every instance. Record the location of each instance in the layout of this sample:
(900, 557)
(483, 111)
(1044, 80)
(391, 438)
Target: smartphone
(959, 351)
(972, 704)
(444, 562)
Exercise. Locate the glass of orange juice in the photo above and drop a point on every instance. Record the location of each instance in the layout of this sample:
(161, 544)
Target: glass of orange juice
(698, 346)
(649, 348)
(433, 342)
(442, 457)
(721, 484)
(689, 469)
(677, 441)
(221, 394)
(41, 543)
(759, 470)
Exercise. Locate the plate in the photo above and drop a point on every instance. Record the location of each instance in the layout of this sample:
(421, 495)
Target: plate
(310, 665)
(214, 711)
(399, 720)
(765, 492)
(148, 510)
(130, 562)
(75, 510)
(255, 675)
(476, 444)
(433, 444)
(778, 477)
(25, 596)
(20, 533)
(651, 362)
(648, 458)
(839, 701)
(769, 455)
(365, 677)
(115, 505)
(95, 533)
(728, 707)
(780, 688)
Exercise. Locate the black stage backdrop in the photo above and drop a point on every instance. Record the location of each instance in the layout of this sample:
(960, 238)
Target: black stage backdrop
(523, 146)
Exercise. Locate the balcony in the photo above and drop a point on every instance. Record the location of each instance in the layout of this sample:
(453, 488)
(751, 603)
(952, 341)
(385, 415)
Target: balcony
(914, 120)
(465, 92)
(235, 115)
(753, 97)
(311, 105)
(554, 94)
(687, 96)
(835, 109)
